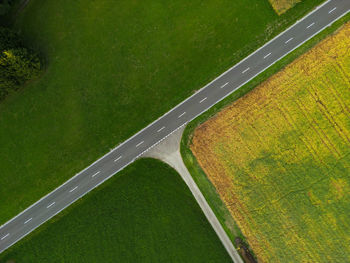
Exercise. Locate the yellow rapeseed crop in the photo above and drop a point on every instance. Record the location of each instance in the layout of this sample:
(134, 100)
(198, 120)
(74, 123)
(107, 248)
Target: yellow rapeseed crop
(281, 6)
(280, 158)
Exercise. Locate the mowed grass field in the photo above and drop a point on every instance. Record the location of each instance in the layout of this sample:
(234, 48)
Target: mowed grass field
(112, 68)
(279, 158)
(281, 6)
(144, 214)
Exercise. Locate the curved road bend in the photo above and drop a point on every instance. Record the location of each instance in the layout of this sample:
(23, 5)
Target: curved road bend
(127, 152)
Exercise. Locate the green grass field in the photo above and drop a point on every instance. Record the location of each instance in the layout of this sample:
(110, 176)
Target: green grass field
(112, 68)
(144, 214)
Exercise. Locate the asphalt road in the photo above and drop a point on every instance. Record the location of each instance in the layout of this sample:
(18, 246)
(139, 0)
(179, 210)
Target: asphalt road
(127, 152)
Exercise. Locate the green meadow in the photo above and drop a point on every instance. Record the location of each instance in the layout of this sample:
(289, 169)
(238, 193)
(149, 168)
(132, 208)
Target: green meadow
(146, 213)
(112, 67)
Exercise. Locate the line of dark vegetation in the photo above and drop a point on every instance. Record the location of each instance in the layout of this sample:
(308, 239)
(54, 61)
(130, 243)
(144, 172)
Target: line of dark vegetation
(243, 249)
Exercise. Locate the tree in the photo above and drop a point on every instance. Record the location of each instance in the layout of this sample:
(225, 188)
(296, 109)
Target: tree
(17, 63)
(19, 66)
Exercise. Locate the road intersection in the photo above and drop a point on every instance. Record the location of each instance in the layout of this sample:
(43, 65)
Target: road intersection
(124, 154)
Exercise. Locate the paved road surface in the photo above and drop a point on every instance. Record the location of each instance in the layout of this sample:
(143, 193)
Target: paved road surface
(127, 152)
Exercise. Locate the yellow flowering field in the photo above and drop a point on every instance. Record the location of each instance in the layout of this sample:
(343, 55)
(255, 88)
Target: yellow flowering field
(280, 158)
(281, 6)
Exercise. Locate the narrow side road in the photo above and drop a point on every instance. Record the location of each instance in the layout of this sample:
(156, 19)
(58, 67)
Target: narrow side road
(168, 151)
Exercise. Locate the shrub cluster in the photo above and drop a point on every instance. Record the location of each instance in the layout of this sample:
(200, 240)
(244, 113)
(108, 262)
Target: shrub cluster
(17, 63)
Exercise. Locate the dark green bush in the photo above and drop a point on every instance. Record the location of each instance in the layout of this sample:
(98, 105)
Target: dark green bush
(9, 39)
(17, 63)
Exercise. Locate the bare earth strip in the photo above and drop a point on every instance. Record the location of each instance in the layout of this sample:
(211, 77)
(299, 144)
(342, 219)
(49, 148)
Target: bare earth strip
(280, 156)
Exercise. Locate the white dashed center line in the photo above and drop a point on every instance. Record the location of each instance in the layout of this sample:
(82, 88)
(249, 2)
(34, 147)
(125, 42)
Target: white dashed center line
(50, 205)
(73, 189)
(244, 71)
(224, 85)
(25, 222)
(310, 25)
(182, 114)
(137, 145)
(95, 174)
(330, 11)
(289, 40)
(5, 236)
(267, 55)
(203, 100)
(116, 160)
(161, 129)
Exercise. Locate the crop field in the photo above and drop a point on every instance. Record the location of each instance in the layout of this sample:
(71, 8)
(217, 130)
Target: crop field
(146, 213)
(279, 158)
(281, 6)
